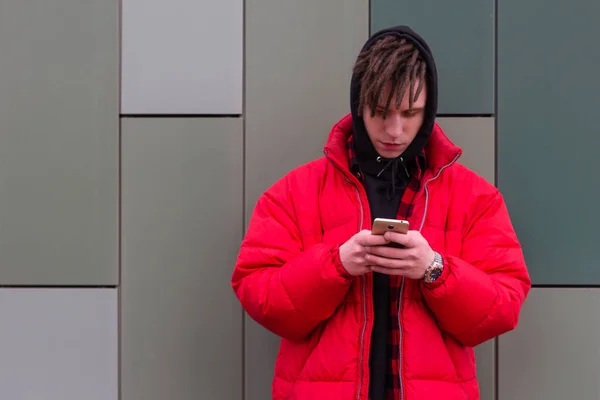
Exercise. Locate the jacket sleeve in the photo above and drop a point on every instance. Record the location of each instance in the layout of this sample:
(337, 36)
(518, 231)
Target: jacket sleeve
(284, 287)
(480, 294)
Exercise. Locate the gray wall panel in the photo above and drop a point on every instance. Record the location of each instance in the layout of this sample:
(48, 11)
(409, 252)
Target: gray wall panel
(182, 227)
(182, 57)
(485, 356)
(554, 354)
(59, 142)
(261, 349)
(477, 139)
(461, 37)
(548, 136)
(299, 58)
(58, 344)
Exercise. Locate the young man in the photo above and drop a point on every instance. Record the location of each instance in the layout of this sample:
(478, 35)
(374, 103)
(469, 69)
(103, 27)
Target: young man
(360, 319)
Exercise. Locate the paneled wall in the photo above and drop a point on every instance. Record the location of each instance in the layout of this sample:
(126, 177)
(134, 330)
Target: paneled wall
(182, 57)
(59, 199)
(547, 162)
(548, 135)
(59, 343)
(59, 138)
(182, 190)
(136, 136)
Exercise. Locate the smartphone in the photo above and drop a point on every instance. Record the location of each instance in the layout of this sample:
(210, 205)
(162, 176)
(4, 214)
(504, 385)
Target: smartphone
(383, 225)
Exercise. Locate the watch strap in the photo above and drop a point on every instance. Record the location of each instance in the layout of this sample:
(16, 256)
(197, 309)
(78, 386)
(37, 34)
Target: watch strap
(434, 271)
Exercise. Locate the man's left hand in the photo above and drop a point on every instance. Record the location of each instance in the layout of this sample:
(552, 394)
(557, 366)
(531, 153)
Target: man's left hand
(411, 261)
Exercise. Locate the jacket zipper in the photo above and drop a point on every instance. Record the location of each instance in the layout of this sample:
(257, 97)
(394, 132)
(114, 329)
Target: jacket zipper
(363, 285)
(402, 282)
(400, 342)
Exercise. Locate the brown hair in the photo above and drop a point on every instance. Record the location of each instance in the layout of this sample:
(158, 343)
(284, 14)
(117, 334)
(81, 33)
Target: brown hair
(389, 60)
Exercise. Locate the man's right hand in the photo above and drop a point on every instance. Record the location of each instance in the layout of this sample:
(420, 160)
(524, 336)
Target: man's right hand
(352, 253)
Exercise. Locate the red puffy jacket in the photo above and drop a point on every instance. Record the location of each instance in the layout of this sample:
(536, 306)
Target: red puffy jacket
(289, 278)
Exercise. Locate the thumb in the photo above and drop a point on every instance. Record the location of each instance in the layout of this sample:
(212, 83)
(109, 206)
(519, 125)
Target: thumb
(366, 238)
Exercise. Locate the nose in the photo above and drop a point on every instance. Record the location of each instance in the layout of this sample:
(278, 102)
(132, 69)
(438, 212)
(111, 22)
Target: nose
(394, 124)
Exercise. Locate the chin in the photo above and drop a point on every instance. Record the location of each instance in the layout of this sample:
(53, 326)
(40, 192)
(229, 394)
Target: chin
(387, 153)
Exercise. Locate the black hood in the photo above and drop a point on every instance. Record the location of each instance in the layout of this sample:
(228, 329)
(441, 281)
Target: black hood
(365, 151)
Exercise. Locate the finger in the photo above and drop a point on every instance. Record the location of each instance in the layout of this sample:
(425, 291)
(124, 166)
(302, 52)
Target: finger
(388, 252)
(388, 271)
(386, 262)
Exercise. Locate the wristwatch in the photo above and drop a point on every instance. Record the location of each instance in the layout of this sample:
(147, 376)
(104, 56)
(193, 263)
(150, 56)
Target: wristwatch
(434, 271)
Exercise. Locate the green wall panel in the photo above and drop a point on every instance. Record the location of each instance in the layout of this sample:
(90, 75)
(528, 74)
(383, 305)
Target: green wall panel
(548, 137)
(59, 142)
(461, 36)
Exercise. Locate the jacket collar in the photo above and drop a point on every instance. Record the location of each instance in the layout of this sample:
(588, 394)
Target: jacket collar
(440, 151)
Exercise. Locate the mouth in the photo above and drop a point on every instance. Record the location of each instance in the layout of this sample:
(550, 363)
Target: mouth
(391, 146)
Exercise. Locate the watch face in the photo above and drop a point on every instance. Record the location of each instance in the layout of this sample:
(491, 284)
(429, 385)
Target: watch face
(434, 274)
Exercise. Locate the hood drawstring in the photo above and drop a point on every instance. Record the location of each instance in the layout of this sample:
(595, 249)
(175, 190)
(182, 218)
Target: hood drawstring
(391, 189)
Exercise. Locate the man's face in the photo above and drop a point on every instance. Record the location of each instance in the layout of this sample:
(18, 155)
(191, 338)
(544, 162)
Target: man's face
(394, 133)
